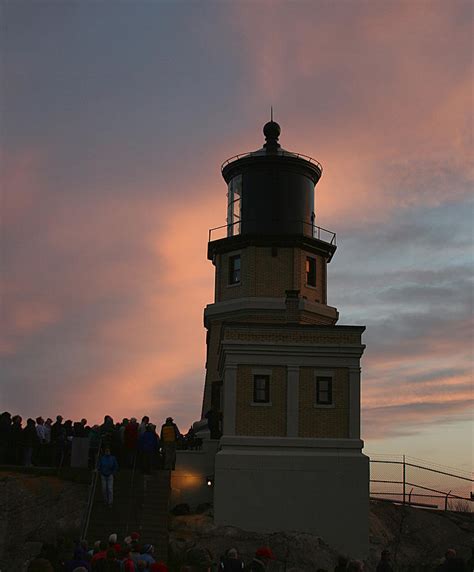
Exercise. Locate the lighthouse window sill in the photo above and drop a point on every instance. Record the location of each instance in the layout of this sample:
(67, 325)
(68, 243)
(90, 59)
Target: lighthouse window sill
(325, 406)
(255, 404)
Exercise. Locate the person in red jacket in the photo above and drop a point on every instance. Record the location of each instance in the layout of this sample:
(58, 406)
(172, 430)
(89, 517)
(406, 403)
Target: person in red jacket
(130, 441)
(128, 565)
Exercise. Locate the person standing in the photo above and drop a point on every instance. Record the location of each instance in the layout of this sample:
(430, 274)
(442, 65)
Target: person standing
(16, 440)
(147, 554)
(385, 564)
(108, 466)
(169, 436)
(5, 432)
(342, 562)
(30, 442)
(58, 441)
(47, 438)
(40, 452)
(231, 562)
(260, 563)
(143, 424)
(130, 441)
(213, 419)
(148, 445)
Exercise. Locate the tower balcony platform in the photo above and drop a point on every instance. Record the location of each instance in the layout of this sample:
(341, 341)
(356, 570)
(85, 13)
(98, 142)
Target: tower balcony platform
(303, 234)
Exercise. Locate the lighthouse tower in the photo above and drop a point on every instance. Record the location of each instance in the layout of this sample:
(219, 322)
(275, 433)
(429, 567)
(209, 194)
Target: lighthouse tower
(281, 376)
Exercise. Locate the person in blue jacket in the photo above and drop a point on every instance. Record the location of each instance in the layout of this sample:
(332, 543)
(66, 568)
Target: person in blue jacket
(107, 468)
(149, 446)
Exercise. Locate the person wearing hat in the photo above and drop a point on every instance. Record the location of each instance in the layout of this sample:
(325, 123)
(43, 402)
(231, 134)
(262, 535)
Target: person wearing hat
(135, 551)
(231, 562)
(147, 554)
(128, 564)
(263, 555)
(114, 544)
(169, 436)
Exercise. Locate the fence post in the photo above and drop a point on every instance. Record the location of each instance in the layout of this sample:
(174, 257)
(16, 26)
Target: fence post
(404, 478)
(446, 501)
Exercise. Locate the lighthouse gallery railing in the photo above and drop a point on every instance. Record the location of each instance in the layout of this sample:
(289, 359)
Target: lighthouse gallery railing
(307, 229)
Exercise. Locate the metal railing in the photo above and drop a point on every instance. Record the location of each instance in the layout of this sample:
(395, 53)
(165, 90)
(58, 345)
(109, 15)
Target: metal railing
(408, 479)
(279, 153)
(131, 496)
(306, 229)
(92, 489)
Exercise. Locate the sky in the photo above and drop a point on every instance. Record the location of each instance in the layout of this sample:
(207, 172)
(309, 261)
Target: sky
(114, 120)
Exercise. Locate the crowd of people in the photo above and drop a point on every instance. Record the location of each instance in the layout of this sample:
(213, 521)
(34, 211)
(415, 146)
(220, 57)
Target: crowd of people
(104, 556)
(132, 556)
(48, 443)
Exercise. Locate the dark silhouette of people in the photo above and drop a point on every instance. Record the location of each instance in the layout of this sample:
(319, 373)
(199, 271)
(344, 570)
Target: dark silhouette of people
(385, 564)
(231, 562)
(262, 559)
(169, 437)
(213, 419)
(341, 565)
(452, 563)
(148, 444)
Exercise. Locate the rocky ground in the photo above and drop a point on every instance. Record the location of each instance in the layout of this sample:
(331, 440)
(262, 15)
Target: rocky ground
(417, 539)
(36, 509)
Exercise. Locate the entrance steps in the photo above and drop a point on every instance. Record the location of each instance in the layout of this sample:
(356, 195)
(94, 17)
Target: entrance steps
(141, 504)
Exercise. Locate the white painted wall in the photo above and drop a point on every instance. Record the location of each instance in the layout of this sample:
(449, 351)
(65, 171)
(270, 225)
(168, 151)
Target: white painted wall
(269, 487)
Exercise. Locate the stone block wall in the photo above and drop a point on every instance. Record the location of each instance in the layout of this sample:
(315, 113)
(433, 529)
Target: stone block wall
(261, 420)
(317, 293)
(269, 272)
(293, 335)
(332, 422)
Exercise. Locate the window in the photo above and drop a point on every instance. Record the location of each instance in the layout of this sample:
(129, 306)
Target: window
(310, 271)
(234, 196)
(234, 269)
(261, 388)
(323, 390)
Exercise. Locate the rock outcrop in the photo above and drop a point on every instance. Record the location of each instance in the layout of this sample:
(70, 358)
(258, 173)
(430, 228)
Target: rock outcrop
(36, 509)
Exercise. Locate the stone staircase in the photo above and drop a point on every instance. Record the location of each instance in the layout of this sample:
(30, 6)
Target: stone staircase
(140, 505)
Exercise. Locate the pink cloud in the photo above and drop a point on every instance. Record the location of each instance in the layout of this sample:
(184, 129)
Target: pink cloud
(105, 286)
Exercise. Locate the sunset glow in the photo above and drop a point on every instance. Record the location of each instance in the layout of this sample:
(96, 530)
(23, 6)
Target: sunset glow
(114, 127)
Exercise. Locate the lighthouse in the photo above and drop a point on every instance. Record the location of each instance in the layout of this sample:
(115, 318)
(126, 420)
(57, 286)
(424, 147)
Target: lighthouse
(282, 376)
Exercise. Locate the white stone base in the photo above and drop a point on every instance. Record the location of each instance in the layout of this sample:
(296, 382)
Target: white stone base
(311, 485)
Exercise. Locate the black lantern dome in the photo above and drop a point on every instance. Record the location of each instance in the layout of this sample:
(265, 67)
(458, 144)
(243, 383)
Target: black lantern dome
(275, 189)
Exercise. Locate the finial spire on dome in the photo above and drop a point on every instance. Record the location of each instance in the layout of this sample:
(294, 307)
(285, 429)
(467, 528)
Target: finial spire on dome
(272, 131)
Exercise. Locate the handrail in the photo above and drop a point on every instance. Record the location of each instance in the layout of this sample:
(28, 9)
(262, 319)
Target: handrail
(424, 468)
(315, 230)
(440, 472)
(442, 493)
(130, 498)
(92, 489)
(280, 153)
